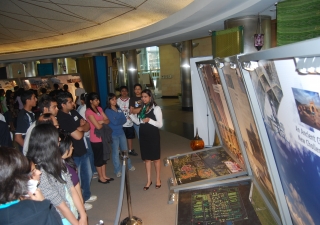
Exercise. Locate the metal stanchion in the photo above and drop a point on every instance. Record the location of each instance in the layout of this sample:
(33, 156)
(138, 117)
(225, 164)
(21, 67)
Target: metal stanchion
(131, 220)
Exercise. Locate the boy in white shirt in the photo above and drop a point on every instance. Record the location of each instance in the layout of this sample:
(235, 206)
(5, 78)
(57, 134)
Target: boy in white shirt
(123, 103)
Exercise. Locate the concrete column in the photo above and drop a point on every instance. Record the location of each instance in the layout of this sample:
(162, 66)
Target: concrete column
(121, 64)
(62, 66)
(132, 71)
(185, 48)
(30, 69)
(185, 72)
(250, 28)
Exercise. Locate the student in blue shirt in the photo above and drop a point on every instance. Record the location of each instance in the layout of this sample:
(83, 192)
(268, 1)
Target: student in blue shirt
(119, 140)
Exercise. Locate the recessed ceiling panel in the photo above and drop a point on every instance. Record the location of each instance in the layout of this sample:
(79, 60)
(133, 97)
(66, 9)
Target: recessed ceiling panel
(39, 24)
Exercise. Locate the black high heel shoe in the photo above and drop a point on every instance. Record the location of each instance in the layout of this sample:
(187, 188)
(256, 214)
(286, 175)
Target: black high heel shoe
(146, 188)
(110, 179)
(158, 186)
(103, 182)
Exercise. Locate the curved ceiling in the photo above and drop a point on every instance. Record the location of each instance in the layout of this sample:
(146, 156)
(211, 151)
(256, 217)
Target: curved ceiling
(104, 29)
(38, 24)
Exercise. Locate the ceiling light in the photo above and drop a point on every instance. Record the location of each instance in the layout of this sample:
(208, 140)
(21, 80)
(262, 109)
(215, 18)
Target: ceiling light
(218, 63)
(308, 65)
(250, 66)
(233, 65)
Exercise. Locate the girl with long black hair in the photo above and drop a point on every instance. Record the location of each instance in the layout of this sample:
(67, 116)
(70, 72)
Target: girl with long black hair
(66, 150)
(96, 118)
(55, 183)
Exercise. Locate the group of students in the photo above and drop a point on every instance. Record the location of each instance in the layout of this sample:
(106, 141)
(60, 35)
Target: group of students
(60, 160)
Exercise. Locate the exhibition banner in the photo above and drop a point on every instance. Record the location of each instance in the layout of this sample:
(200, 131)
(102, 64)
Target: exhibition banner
(290, 105)
(249, 132)
(216, 99)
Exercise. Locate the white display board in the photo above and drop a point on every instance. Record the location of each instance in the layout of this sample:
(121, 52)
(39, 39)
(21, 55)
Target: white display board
(202, 118)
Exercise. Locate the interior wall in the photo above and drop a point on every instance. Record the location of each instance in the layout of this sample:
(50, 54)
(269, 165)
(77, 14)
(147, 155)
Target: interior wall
(169, 65)
(204, 48)
(109, 57)
(71, 65)
(86, 69)
(16, 70)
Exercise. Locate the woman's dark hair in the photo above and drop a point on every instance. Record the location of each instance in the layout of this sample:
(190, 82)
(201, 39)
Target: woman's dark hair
(14, 176)
(44, 150)
(111, 96)
(65, 143)
(149, 93)
(91, 96)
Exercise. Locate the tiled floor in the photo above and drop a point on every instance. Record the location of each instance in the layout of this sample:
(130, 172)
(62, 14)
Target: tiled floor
(175, 120)
(152, 205)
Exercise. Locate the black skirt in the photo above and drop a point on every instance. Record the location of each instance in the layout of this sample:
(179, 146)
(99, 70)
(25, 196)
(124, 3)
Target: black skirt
(149, 138)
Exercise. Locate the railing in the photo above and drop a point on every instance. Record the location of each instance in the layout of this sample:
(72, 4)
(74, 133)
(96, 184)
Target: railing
(125, 183)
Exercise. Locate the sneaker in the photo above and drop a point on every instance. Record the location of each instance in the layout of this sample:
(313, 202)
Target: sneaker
(132, 152)
(95, 175)
(119, 174)
(92, 198)
(87, 206)
(132, 168)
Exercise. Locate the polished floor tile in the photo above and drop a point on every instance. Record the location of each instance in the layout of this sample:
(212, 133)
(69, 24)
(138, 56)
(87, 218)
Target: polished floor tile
(175, 120)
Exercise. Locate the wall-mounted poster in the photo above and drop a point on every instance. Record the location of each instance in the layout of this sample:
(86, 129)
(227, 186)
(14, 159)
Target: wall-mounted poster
(216, 98)
(249, 132)
(290, 106)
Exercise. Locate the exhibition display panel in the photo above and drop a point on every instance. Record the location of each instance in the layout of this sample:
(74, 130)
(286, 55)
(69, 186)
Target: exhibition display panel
(230, 105)
(283, 84)
(218, 204)
(233, 83)
(201, 167)
(266, 110)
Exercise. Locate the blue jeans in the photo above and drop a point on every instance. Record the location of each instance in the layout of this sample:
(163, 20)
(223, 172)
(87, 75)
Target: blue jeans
(119, 142)
(90, 154)
(136, 128)
(85, 174)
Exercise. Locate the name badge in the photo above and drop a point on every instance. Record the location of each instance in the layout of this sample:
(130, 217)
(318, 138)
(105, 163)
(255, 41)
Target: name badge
(75, 118)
